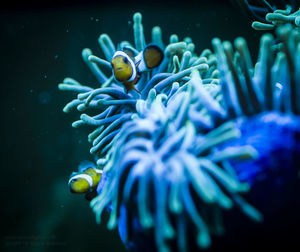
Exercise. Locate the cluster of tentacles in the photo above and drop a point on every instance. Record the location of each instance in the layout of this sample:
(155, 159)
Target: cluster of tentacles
(271, 14)
(195, 141)
(277, 18)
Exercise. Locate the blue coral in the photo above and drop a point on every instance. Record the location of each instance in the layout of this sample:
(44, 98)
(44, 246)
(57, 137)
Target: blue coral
(203, 133)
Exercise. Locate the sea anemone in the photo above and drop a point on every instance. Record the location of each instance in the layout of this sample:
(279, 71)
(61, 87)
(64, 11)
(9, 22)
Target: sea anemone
(202, 134)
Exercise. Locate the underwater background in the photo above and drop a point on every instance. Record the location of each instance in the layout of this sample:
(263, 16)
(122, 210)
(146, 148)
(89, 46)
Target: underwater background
(41, 45)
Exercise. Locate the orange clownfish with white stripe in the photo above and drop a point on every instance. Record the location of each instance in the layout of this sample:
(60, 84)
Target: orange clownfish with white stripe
(127, 67)
(86, 179)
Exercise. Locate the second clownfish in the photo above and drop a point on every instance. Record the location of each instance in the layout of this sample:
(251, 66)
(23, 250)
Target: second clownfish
(86, 179)
(127, 67)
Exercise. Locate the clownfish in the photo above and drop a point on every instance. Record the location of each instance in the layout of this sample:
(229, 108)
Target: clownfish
(86, 180)
(127, 67)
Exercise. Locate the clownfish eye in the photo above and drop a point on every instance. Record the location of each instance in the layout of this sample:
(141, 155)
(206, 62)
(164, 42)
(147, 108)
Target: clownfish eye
(125, 60)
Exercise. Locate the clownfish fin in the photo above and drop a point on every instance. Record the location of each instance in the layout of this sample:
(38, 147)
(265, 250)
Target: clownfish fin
(91, 195)
(129, 51)
(130, 86)
(136, 90)
(153, 56)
